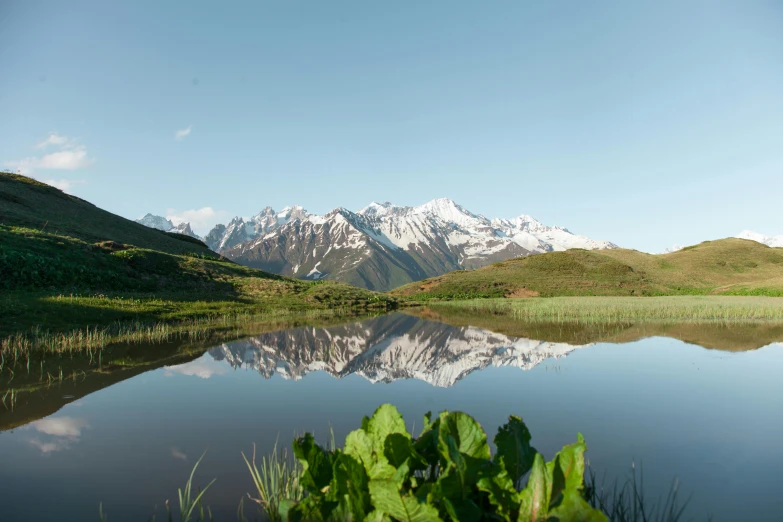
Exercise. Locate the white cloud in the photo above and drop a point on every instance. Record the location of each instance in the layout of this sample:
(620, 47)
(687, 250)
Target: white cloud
(182, 133)
(201, 220)
(60, 427)
(70, 157)
(64, 431)
(50, 447)
(53, 139)
(64, 184)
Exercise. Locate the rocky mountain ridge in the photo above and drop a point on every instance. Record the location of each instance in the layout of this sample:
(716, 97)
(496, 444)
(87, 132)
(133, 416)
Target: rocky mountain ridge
(383, 246)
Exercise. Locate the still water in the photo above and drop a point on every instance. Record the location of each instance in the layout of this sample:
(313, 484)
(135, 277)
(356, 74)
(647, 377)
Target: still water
(127, 436)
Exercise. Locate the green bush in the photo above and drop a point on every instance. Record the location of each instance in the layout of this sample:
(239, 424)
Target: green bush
(447, 473)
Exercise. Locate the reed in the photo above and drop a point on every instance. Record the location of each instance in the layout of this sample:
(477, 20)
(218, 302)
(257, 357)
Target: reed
(597, 310)
(277, 479)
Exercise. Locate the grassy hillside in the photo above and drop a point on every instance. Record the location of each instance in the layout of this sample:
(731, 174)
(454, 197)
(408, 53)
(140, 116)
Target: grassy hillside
(65, 264)
(726, 266)
(25, 202)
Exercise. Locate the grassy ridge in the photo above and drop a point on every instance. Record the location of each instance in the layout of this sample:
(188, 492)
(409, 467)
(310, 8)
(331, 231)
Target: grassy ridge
(726, 266)
(27, 203)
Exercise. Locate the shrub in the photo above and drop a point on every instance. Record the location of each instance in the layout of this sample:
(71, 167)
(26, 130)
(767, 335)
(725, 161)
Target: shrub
(447, 473)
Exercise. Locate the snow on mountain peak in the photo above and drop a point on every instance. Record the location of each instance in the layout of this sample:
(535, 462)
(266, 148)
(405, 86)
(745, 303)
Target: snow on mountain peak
(773, 241)
(376, 209)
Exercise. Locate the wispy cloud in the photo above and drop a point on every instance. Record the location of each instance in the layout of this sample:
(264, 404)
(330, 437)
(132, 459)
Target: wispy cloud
(52, 139)
(70, 156)
(64, 184)
(60, 426)
(182, 133)
(201, 220)
(64, 431)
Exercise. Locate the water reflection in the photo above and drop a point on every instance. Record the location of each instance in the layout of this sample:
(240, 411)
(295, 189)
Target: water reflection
(127, 431)
(384, 349)
(439, 348)
(60, 433)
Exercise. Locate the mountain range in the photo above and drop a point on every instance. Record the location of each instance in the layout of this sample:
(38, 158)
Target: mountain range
(381, 246)
(386, 349)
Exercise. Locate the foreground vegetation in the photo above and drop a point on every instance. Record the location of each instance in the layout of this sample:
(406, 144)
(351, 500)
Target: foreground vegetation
(383, 473)
(726, 266)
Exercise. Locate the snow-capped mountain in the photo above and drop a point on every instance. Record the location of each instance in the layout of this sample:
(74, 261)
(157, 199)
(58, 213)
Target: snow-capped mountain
(674, 248)
(161, 223)
(238, 231)
(382, 245)
(386, 349)
(773, 241)
(158, 222)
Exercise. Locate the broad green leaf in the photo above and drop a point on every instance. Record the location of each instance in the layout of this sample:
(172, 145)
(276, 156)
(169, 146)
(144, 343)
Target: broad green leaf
(385, 421)
(359, 445)
(568, 468)
(461, 510)
(534, 499)
(574, 508)
(514, 451)
(377, 516)
(502, 493)
(427, 422)
(311, 510)
(316, 464)
(468, 435)
(284, 507)
(387, 498)
(398, 449)
(350, 486)
(427, 444)
(461, 473)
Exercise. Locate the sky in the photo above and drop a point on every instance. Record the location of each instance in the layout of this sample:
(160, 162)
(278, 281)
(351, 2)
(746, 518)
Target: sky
(643, 123)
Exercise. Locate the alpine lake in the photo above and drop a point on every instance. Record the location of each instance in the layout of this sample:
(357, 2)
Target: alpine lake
(697, 407)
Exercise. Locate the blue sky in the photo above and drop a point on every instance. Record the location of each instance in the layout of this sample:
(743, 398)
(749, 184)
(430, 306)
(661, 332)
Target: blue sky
(646, 124)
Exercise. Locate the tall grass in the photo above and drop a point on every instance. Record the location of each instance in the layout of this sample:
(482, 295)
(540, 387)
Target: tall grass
(276, 480)
(696, 309)
(90, 340)
(630, 503)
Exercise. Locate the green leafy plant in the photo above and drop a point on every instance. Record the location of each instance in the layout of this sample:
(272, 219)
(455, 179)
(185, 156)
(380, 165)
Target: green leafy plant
(447, 473)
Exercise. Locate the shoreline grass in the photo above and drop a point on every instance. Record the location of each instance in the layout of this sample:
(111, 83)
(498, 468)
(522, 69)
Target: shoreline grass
(90, 340)
(597, 310)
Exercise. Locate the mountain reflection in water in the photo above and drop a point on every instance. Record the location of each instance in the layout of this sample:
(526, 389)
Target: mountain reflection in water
(386, 349)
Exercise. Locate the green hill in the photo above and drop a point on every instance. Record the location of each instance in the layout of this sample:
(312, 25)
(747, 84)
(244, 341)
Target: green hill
(726, 266)
(66, 264)
(25, 202)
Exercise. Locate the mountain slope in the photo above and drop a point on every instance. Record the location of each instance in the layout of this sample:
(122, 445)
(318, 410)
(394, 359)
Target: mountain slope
(66, 264)
(733, 266)
(25, 202)
(382, 245)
